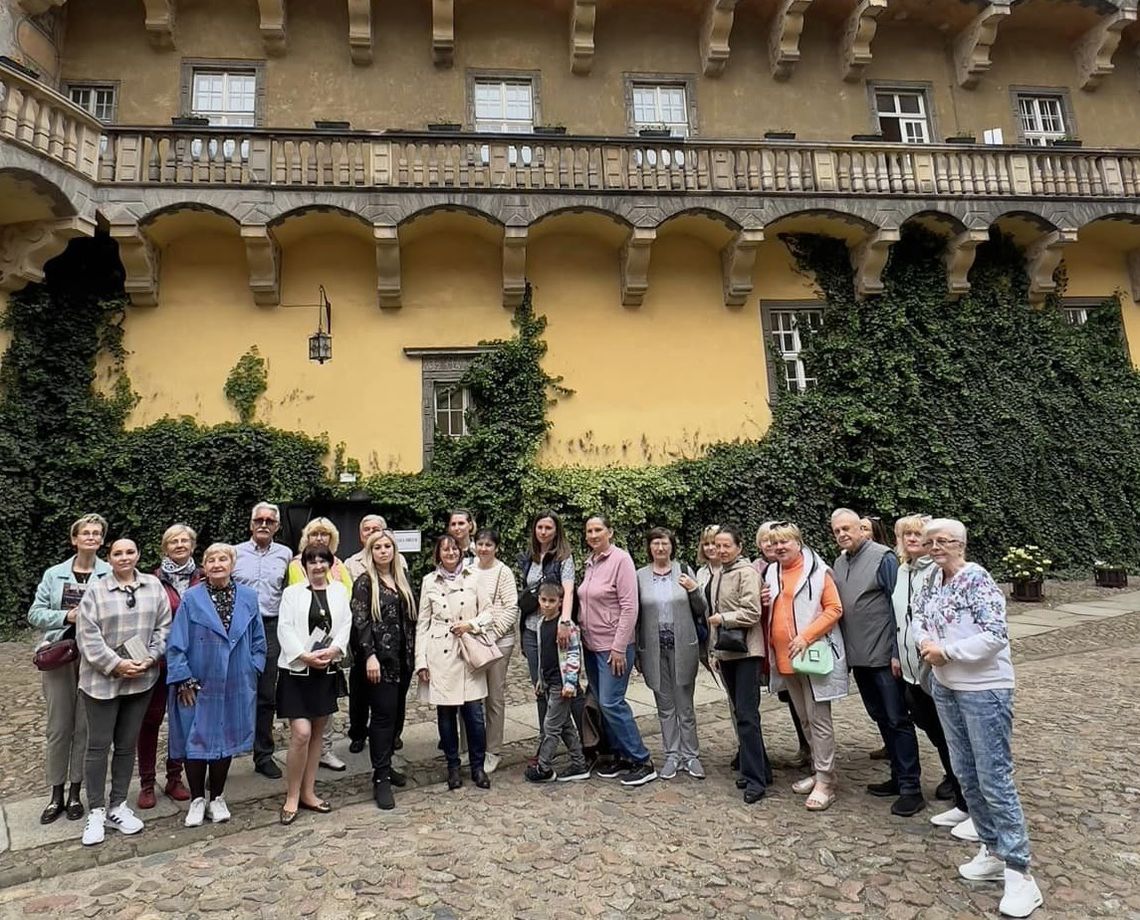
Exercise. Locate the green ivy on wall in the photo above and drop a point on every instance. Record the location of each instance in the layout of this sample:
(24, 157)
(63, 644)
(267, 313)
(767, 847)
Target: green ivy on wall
(247, 383)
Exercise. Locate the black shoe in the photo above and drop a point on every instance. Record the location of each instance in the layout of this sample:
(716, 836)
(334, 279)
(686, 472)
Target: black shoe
(884, 790)
(55, 806)
(945, 790)
(382, 794)
(397, 744)
(735, 762)
(454, 779)
(268, 769)
(537, 774)
(396, 778)
(572, 774)
(880, 754)
(751, 798)
(74, 806)
(640, 775)
(357, 746)
(906, 806)
(616, 767)
(741, 782)
(481, 779)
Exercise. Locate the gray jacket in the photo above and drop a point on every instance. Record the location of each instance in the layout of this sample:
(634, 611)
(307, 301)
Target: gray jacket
(682, 605)
(865, 582)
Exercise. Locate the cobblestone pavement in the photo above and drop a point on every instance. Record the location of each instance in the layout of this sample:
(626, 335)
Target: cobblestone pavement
(681, 848)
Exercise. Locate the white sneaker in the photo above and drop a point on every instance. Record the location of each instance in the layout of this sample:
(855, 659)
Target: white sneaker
(983, 867)
(94, 833)
(122, 819)
(966, 831)
(330, 761)
(218, 810)
(196, 813)
(491, 763)
(1022, 896)
(951, 818)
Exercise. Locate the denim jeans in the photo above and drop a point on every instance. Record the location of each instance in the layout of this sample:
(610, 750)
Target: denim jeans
(621, 729)
(530, 650)
(885, 703)
(979, 728)
(447, 719)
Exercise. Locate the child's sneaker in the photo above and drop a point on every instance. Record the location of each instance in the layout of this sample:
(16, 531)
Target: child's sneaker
(574, 773)
(537, 774)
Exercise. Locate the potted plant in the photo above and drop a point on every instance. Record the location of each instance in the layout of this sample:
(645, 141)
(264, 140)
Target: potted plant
(874, 138)
(780, 134)
(1067, 141)
(550, 129)
(653, 131)
(1025, 568)
(450, 127)
(332, 125)
(961, 137)
(190, 121)
(1110, 574)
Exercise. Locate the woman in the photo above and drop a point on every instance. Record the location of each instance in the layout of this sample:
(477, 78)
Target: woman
(55, 610)
(498, 595)
(608, 598)
(874, 529)
(962, 636)
(735, 604)
(449, 608)
(178, 572)
(548, 559)
(309, 678)
(708, 562)
(215, 656)
(914, 569)
(668, 649)
(122, 624)
(806, 610)
(383, 622)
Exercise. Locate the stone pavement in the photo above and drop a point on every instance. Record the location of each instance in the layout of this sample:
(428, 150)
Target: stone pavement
(681, 848)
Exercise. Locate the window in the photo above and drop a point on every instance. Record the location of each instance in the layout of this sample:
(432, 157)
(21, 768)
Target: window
(504, 106)
(1077, 310)
(225, 97)
(446, 406)
(902, 116)
(656, 105)
(451, 405)
(96, 99)
(782, 323)
(1042, 119)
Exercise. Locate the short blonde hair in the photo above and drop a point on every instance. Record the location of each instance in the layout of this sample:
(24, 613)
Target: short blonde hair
(912, 523)
(88, 519)
(764, 534)
(707, 533)
(953, 528)
(785, 531)
(173, 531)
(320, 525)
(224, 548)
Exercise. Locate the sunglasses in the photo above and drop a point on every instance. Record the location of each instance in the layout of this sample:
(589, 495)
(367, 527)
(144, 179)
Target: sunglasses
(130, 592)
(267, 522)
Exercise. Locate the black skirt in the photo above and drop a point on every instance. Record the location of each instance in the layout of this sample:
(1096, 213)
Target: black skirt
(307, 696)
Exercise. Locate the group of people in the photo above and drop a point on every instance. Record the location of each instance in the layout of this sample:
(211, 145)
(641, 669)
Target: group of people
(257, 632)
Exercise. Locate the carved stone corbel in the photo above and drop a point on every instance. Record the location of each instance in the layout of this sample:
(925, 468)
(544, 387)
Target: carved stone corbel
(272, 13)
(959, 259)
(973, 44)
(635, 265)
(869, 258)
(140, 260)
(443, 32)
(855, 49)
(264, 258)
(1095, 49)
(583, 14)
(738, 260)
(715, 33)
(514, 266)
(25, 248)
(389, 289)
(160, 23)
(1041, 261)
(784, 39)
(360, 31)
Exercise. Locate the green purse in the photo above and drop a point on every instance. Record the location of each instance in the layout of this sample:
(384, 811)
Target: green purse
(816, 660)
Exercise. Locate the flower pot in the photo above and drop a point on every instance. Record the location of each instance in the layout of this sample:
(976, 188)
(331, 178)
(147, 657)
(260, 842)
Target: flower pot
(867, 138)
(332, 125)
(962, 139)
(1028, 589)
(1111, 578)
(780, 135)
(653, 132)
(446, 126)
(190, 121)
(556, 130)
(1066, 142)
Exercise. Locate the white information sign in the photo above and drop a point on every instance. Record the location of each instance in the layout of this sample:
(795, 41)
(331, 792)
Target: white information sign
(408, 541)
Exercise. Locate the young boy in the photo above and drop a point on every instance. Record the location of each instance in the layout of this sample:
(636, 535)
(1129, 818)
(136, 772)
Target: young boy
(558, 679)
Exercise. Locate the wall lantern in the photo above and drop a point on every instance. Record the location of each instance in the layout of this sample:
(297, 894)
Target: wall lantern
(320, 342)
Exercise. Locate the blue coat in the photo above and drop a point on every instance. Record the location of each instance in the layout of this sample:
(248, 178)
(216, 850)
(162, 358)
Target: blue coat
(221, 722)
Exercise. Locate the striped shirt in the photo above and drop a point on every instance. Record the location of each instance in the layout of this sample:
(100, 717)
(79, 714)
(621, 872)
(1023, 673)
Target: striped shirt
(106, 619)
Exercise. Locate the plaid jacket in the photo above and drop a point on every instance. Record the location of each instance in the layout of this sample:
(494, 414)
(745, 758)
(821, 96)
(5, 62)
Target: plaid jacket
(105, 622)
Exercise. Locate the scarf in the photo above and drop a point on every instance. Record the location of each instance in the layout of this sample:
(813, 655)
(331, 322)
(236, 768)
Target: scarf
(179, 575)
(450, 576)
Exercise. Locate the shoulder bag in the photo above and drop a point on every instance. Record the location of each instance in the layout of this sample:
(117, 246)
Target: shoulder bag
(815, 660)
(728, 638)
(56, 654)
(478, 650)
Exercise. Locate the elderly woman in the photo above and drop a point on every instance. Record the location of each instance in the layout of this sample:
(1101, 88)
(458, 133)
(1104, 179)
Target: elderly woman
(915, 567)
(962, 636)
(215, 656)
(449, 608)
(55, 610)
(313, 628)
(178, 572)
(805, 611)
(383, 623)
(668, 649)
(608, 598)
(122, 624)
(499, 595)
(737, 643)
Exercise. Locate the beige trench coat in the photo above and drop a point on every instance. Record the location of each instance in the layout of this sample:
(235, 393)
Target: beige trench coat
(443, 603)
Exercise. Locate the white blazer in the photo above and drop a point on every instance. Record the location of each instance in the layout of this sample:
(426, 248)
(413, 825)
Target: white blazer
(293, 623)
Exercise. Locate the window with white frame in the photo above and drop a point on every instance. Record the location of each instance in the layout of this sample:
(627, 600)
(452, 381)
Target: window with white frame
(657, 105)
(902, 116)
(96, 99)
(785, 326)
(1077, 310)
(225, 97)
(451, 405)
(504, 106)
(1042, 119)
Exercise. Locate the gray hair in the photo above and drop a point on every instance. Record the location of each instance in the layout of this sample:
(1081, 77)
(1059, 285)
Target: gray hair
(378, 518)
(224, 548)
(265, 506)
(955, 529)
(843, 512)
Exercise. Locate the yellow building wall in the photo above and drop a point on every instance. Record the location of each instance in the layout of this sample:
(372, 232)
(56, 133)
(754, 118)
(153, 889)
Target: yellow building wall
(1097, 270)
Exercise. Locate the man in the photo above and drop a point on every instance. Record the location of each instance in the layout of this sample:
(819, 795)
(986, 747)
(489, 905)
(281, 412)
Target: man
(865, 576)
(369, 524)
(357, 679)
(261, 564)
(461, 525)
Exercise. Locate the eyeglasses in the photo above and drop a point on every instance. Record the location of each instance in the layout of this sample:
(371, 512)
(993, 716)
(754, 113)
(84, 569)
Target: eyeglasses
(267, 522)
(942, 541)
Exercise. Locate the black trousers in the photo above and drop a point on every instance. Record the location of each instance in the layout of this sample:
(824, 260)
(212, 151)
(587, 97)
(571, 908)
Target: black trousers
(266, 695)
(359, 701)
(742, 680)
(402, 702)
(383, 701)
(925, 715)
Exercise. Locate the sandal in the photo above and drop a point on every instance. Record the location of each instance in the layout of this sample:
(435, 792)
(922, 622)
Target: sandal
(804, 786)
(322, 807)
(820, 800)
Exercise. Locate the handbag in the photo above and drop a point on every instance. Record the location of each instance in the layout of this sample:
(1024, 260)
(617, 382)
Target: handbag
(478, 651)
(815, 660)
(731, 639)
(57, 654)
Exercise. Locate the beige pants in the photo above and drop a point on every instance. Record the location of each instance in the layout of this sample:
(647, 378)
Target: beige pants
(816, 719)
(66, 725)
(495, 705)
